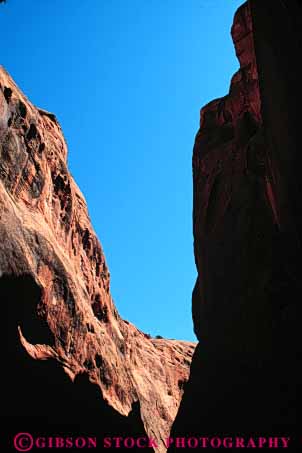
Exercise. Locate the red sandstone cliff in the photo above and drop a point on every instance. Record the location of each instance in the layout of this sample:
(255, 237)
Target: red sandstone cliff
(234, 203)
(247, 238)
(47, 244)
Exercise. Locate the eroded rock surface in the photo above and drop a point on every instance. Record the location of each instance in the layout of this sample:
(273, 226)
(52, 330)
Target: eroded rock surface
(53, 263)
(246, 301)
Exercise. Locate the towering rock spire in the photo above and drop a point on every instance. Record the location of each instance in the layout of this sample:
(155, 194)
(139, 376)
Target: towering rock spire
(247, 238)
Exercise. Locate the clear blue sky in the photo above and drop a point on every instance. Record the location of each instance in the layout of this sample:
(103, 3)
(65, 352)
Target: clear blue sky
(126, 79)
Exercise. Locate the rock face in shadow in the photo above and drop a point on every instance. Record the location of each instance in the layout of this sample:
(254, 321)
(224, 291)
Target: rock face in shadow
(60, 323)
(247, 238)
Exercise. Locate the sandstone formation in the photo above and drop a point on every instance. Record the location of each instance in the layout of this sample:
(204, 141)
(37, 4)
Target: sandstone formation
(55, 297)
(247, 237)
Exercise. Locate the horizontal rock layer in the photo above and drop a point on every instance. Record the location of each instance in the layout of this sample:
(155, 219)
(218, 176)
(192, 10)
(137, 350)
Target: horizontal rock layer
(55, 288)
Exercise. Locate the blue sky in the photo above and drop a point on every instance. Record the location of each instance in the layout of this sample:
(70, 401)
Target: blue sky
(126, 79)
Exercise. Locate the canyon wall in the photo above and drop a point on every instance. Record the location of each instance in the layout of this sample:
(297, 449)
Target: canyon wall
(247, 237)
(69, 358)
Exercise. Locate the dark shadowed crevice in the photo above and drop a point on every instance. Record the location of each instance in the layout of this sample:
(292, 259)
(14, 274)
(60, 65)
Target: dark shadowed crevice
(32, 132)
(7, 94)
(22, 109)
(20, 297)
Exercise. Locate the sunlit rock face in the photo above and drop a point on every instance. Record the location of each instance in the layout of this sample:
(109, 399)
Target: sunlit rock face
(59, 321)
(247, 239)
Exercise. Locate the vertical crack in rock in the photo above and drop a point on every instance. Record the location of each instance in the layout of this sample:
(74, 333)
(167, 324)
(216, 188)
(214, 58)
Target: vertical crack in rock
(55, 285)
